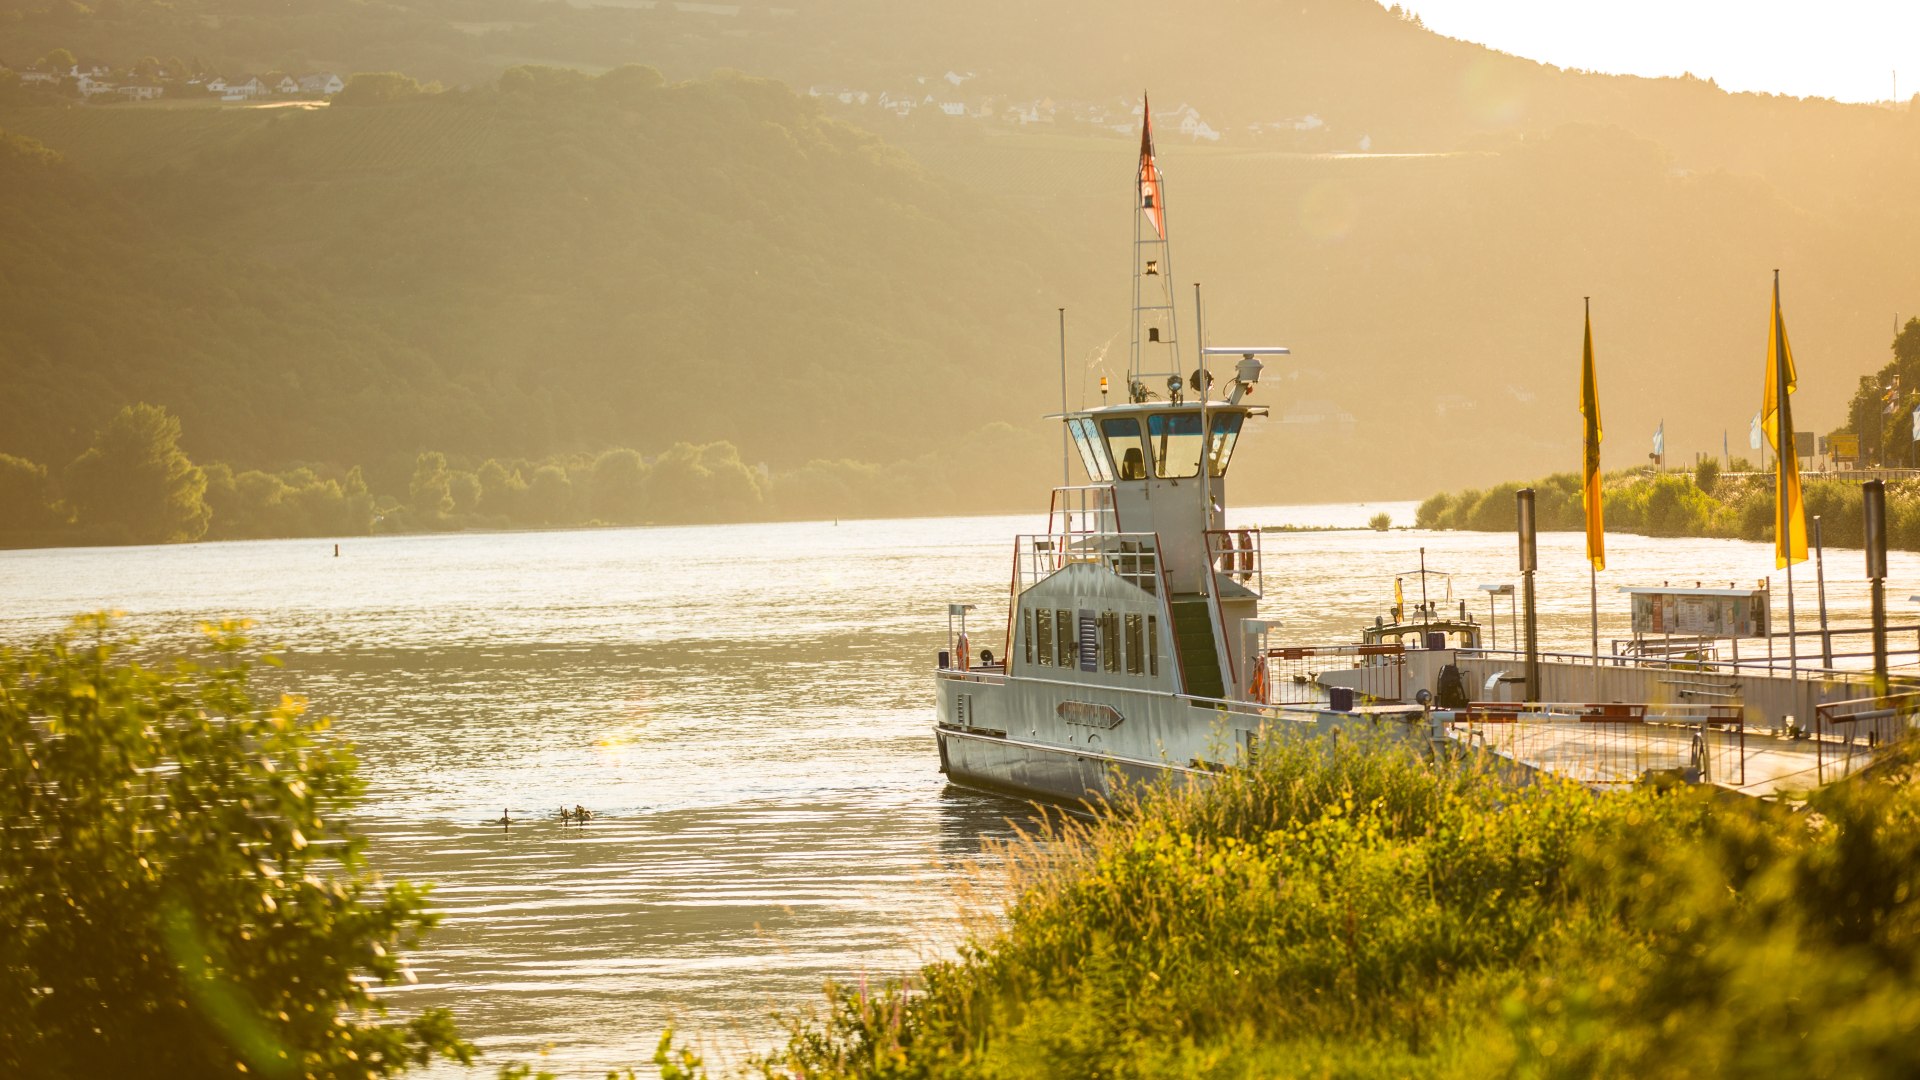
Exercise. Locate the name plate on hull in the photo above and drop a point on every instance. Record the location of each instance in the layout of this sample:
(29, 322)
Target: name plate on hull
(1088, 714)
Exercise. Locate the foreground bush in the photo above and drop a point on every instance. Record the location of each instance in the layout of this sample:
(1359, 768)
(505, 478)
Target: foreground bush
(1350, 910)
(181, 892)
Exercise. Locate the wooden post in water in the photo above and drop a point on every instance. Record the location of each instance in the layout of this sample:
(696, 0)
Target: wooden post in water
(1529, 562)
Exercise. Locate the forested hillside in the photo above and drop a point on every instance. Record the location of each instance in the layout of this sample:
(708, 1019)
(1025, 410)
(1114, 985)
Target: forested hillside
(560, 263)
(552, 263)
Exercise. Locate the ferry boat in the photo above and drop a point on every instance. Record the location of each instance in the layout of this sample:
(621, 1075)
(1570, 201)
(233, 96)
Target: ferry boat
(1133, 641)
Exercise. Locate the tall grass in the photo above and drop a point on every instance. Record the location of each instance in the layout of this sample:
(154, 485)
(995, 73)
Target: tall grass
(1349, 908)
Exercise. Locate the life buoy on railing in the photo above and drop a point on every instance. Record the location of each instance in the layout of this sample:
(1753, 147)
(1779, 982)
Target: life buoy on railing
(1257, 689)
(962, 662)
(1246, 555)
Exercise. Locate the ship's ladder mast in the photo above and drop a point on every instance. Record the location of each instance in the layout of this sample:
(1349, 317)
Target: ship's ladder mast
(1154, 364)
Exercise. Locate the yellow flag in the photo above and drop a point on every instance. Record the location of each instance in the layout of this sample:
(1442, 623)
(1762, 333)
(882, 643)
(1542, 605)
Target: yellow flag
(1399, 603)
(1590, 471)
(1776, 420)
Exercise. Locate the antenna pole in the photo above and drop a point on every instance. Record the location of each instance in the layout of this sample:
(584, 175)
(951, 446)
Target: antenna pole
(1206, 465)
(1066, 451)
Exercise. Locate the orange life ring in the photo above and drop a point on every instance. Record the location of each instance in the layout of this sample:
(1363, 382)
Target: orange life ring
(961, 647)
(1246, 555)
(1257, 689)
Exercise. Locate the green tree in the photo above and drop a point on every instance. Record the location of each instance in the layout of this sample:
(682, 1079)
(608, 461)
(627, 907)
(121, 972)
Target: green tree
(26, 498)
(182, 892)
(430, 492)
(60, 60)
(550, 496)
(136, 485)
(619, 487)
(379, 88)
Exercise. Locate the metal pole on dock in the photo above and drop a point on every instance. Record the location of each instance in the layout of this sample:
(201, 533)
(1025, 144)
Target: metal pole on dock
(1529, 562)
(1423, 598)
(1820, 576)
(1066, 440)
(1873, 505)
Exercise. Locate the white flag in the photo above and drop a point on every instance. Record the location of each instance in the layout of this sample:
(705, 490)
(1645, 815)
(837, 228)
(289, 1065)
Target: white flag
(1916, 425)
(1753, 433)
(1660, 440)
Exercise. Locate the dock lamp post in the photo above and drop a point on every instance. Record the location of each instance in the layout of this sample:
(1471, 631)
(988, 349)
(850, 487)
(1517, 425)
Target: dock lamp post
(1493, 615)
(1873, 505)
(1529, 562)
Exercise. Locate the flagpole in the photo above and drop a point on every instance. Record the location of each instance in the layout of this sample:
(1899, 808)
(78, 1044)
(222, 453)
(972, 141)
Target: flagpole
(1593, 572)
(1593, 609)
(1783, 452)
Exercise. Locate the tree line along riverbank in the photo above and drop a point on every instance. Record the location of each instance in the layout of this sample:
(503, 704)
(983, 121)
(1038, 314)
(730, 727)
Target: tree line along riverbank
(137, 485)
(1704, 502)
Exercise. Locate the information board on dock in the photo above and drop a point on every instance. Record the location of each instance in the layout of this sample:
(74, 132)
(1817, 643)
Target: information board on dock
(1705, 613)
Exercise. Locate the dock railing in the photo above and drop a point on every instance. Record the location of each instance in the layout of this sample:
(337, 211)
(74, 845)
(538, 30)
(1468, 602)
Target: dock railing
(1848, 735)
(1611, 743)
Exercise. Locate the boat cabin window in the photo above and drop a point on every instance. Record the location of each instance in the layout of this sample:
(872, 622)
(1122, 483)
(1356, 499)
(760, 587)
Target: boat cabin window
(1175, 438)
(1226, 431)
(1136, 645)
(1123, 442)
(1063, 638)
(1110, 641)
(1026, 632)
(1043, 646)
(1093, 455)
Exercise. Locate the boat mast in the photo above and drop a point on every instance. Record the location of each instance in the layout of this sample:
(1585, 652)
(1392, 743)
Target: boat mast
(1155, 356)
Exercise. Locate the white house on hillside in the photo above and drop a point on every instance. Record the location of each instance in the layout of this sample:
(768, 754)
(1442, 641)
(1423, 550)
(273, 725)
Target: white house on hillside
(326, 83)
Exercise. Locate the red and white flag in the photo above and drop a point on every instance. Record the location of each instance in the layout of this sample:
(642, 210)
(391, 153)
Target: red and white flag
(1150, 173)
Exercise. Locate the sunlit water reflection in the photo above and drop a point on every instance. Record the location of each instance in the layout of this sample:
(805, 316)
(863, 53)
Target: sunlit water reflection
(746, 708)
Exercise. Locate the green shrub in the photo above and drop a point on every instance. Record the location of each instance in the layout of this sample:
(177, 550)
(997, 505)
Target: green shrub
(183, 893)
(1706, 475)
(1345, 908)
(1380, 522)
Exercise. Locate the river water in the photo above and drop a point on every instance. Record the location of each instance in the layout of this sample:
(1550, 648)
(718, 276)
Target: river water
(745, 708)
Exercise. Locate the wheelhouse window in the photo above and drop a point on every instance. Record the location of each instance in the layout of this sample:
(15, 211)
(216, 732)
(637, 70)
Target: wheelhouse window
(1226, 432)
(1063, 638)
(1026, 632)
(1136, 644)
(1044, 645)
(1175, 439)
(1124, 445)
(1093, 455)
(1109, 641)
(1153, 646)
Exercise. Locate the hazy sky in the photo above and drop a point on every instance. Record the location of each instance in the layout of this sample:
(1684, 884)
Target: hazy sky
(1843, 49)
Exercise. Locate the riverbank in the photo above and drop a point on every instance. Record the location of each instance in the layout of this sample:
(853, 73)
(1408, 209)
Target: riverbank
(1701, 503)
(1360, 911)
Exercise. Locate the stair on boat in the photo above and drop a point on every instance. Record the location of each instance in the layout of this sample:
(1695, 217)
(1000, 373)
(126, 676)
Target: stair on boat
(1199, 652)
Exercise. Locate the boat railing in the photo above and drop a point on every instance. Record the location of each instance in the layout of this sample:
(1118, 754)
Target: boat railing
(1084, 510)
(1291, 674)
(1234, 555)
(1134, 557)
